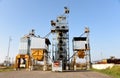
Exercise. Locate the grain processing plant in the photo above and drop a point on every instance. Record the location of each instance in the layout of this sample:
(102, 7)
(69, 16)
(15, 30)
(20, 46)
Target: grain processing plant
(33, 48)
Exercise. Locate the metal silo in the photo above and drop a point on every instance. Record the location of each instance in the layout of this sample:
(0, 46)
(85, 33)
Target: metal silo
(81, 48)
(32, 48)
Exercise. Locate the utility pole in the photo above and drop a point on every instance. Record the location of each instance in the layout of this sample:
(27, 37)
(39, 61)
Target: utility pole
(8, 58)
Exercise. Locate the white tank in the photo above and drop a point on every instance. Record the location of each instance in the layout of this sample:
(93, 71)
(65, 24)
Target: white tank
(24, 46)
(38, 43)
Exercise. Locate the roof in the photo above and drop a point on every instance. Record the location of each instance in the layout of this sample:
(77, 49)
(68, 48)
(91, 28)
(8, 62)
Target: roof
(79, 38)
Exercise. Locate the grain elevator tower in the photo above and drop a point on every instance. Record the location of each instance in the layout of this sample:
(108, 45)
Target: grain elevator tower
(60, 43)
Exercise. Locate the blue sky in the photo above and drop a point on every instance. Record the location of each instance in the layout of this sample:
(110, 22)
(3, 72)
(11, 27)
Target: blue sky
(18, 17)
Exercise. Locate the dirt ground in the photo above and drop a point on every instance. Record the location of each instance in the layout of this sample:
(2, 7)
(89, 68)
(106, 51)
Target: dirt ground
(49, 74)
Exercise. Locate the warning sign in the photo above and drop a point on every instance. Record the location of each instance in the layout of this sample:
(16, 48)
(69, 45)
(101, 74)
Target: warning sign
(56, 63)
(57, 66)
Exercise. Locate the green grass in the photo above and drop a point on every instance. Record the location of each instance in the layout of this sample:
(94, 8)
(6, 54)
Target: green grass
(114, 72)
(6, 69)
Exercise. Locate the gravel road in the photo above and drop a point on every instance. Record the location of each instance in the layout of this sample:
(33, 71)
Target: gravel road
(49, 74)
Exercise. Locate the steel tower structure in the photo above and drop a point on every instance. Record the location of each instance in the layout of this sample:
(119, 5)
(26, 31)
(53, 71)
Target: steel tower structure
(60, 43)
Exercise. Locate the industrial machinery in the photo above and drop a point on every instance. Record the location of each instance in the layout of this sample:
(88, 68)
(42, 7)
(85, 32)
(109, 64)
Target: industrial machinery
(60, 43)
(32, 48)
(81, 48)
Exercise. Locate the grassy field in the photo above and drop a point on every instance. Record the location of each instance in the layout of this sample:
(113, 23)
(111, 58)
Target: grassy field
(4, 69)
(114, 72)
